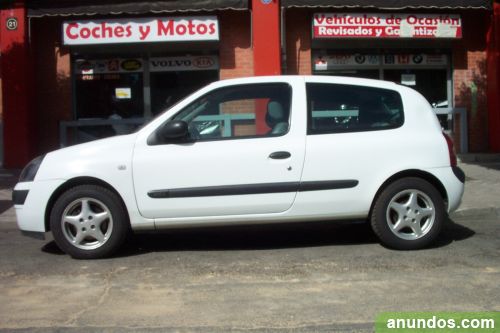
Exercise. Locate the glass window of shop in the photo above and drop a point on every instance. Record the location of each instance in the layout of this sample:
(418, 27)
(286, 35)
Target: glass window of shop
(428, 73)
(173, 78)
(118, 94)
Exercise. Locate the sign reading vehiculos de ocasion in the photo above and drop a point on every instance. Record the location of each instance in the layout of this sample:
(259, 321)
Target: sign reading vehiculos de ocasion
(380, 25)
(138, 30)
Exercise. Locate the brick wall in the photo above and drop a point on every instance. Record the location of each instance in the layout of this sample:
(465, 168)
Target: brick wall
(52, 81)
(236, 57)
(469, 77)
(298, 42)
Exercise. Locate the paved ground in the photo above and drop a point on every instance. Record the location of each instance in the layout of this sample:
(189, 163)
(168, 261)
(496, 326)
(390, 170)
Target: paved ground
(319, 278)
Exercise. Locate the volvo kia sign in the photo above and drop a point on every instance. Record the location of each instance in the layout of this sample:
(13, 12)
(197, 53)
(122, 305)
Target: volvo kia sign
(116, 31)
(380, 25)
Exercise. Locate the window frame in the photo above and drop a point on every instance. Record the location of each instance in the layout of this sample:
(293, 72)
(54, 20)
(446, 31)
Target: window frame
(285, 84)
(310, 130)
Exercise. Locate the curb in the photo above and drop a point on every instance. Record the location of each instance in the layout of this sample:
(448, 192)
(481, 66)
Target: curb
(479, 158)
(492, 212)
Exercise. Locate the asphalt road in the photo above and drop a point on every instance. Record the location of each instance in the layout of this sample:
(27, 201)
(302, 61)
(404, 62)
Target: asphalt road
(288, 278)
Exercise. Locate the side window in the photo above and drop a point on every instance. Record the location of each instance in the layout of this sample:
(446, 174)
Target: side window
(338, 108)
(253, 110)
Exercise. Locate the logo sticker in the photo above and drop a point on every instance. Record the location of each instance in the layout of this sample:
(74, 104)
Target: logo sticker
(131, 65)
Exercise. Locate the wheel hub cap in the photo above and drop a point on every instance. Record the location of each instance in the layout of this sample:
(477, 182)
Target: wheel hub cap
(410, 214)
(87, 223)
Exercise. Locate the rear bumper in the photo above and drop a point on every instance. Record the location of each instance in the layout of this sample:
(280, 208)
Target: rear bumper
(453, 179)
(459, 173)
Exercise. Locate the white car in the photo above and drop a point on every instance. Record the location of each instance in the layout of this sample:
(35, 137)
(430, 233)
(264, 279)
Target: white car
(253, 150)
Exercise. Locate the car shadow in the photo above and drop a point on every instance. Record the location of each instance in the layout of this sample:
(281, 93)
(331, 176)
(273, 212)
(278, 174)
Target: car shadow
(264, 237)
(453, 232)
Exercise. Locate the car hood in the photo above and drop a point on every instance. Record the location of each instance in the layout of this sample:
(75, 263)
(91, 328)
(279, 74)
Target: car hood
(87, 159)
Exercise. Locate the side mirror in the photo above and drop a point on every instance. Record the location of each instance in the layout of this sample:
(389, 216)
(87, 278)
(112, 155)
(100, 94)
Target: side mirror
(172, 130)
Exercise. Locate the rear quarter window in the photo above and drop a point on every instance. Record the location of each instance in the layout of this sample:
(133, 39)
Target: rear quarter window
(340, 108)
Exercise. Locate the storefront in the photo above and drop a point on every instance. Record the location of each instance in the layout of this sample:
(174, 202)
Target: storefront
(74, 71)
(98, 68)
(144, 66)
(425, 66)
(438, 48)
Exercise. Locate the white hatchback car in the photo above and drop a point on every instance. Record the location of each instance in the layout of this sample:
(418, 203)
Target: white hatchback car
(253, 150)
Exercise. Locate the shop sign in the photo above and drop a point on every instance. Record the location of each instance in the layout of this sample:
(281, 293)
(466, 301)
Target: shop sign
(123, 93)
(415, 59)
(380, 25)
(325, 62)
(346, 60)
(187, 63)
(106, 66)
(140, 30)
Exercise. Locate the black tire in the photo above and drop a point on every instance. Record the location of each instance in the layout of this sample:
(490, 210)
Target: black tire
(98, 235)
(405, 236)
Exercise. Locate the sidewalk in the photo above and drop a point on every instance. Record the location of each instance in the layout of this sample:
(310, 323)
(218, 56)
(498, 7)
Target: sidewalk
(482, 185)
(482, 188)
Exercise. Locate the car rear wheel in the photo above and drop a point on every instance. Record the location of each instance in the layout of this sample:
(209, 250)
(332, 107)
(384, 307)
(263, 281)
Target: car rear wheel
(409, 214)
(89, 222)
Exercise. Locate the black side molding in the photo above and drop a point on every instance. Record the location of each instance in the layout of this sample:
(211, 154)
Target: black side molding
(209, 191)
(327, 185)
(19, 196)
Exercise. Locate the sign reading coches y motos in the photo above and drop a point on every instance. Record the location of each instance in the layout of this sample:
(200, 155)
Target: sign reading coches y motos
(114, 31)
(380, 25)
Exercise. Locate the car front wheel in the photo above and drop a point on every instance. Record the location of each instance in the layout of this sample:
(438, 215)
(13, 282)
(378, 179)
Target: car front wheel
(409, 214)
(89, 222)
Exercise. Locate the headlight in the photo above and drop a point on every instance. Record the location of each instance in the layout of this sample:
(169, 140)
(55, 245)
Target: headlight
(29, 172)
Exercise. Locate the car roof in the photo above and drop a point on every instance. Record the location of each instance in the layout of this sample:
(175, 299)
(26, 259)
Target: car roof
(311, 79)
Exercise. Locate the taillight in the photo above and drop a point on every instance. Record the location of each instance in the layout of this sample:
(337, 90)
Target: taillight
(451, 150)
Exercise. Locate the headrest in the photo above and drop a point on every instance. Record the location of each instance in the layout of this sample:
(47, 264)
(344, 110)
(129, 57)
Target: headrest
(275, 113)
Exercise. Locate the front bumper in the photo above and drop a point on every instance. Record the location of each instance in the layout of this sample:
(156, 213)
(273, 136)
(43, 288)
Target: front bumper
(30, 202)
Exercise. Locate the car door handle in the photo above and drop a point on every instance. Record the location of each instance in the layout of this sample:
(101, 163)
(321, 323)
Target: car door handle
(280, 155)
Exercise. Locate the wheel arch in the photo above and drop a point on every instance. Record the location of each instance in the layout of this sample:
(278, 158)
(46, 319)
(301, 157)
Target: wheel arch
(77, 181)
(433, 180)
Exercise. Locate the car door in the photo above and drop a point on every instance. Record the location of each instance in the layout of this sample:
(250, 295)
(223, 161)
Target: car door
(354, 136)
(244, 155)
